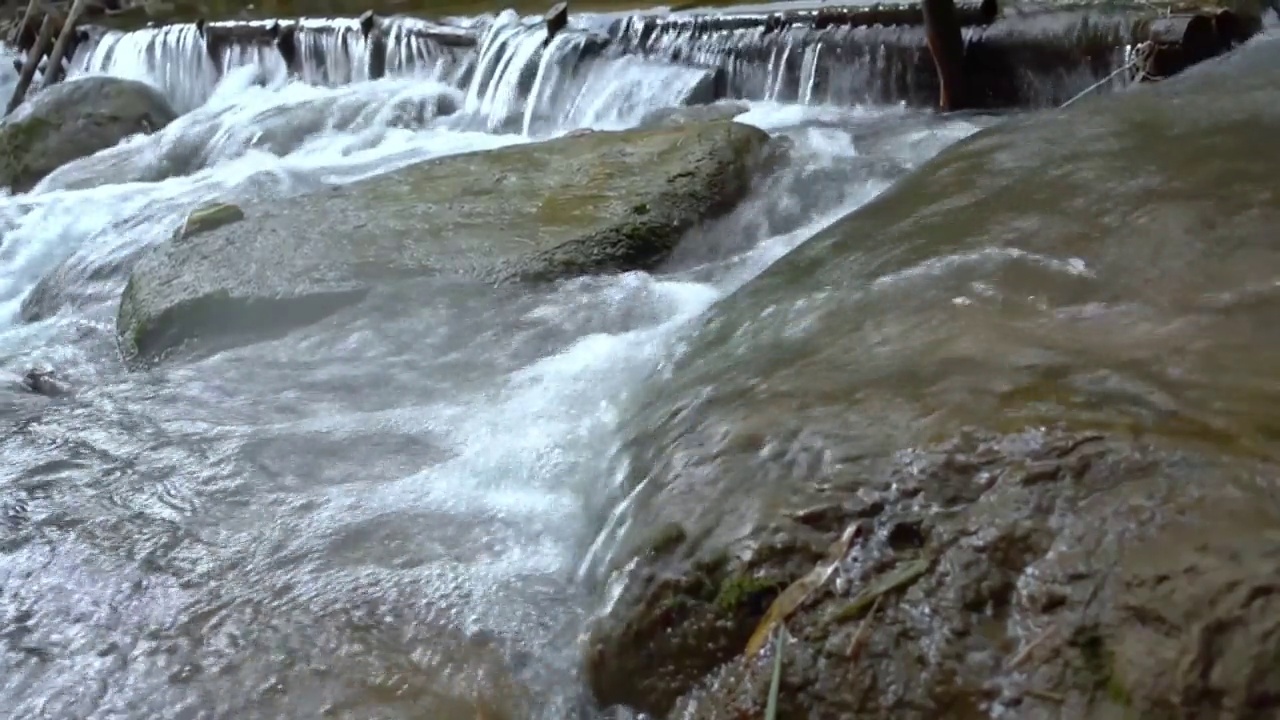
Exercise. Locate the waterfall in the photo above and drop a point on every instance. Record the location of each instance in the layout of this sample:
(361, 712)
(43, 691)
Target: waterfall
(187, 60)
(601, 69)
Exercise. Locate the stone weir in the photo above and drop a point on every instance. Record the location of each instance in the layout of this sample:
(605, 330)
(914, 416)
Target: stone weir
(1019, 56)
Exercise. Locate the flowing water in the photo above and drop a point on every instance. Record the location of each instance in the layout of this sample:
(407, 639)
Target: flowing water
(382, 515)
(385, 514)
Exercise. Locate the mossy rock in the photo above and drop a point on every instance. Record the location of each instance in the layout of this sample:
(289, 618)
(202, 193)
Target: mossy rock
(75, 119)
(592, 203)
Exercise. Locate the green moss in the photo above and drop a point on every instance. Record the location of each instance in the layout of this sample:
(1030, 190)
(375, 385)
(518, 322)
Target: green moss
(1100, 663)
(208, 217)
(676, 603)
(668, 538)
(573, 210)
(737, 590)
(18, 142)
(129, 330)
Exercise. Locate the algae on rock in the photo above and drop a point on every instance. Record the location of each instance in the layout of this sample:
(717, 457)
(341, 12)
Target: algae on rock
(592, 203)
(74, 119)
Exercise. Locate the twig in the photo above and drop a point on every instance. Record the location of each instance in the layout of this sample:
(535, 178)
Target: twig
(16, 36)
(53, 71)
(1125, 68)
(1045, 695)
(1025, 652)
(33, 60)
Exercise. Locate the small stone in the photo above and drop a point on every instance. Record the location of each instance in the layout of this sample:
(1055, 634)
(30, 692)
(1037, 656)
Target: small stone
(45, 382)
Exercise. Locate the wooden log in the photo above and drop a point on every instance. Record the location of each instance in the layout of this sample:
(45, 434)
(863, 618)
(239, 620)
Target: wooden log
(53, 71)
(946, 46)
(1180, 41)
(967, 15)
(38, 50)
(28, 17)
(1234, 29)
(645, 26)
(1024, 59)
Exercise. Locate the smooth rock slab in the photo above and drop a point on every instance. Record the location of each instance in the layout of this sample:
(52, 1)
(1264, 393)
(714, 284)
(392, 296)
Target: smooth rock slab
(72, 120)
(1025, 398)
(591, 203)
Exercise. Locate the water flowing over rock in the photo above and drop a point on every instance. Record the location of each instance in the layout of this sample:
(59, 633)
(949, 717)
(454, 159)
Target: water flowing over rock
(188, 59)
(592, 203)
(72, 120)
(379, 514)
(1016, 506)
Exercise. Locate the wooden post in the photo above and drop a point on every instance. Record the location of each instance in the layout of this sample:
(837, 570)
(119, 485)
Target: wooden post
(53, 71)
(946, 45)
(21, 27)
(33, 60)
(556, 18)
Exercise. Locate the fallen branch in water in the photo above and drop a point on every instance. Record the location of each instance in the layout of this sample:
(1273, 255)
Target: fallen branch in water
(43, 38)
(946, 45)
(53, 71)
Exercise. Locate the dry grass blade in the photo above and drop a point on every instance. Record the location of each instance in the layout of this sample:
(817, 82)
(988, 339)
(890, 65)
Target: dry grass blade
(856, 643)
(798, 592)
(1025, 653)
(899, 577)
(771, 709)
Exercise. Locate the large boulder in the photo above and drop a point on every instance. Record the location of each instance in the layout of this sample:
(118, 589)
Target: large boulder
(589, 203)
(75, 119)
(1002, 443)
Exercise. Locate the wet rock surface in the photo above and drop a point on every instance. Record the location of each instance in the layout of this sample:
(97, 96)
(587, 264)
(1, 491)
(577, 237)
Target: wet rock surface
(979, 455)
(72, 120)
(1039, 575)
(592, 203)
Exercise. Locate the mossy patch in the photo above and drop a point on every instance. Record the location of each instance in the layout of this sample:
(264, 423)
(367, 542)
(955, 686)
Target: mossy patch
(668, 538)
(739, 591)
(1100, 663)
(73, 120)
(561, 208)
(208, 217)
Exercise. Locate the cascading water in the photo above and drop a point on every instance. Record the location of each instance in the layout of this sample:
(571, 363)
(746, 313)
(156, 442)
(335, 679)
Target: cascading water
(188, 61)
(516, 80)
(381, 515)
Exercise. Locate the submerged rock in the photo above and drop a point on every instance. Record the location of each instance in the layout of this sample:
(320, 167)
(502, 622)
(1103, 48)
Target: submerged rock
(75, 119)
(45, 382)
(981, 438)
(601, 202)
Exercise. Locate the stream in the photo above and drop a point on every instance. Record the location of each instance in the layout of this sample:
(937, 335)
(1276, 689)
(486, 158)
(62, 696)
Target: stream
(382, 515)
(387, 514)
